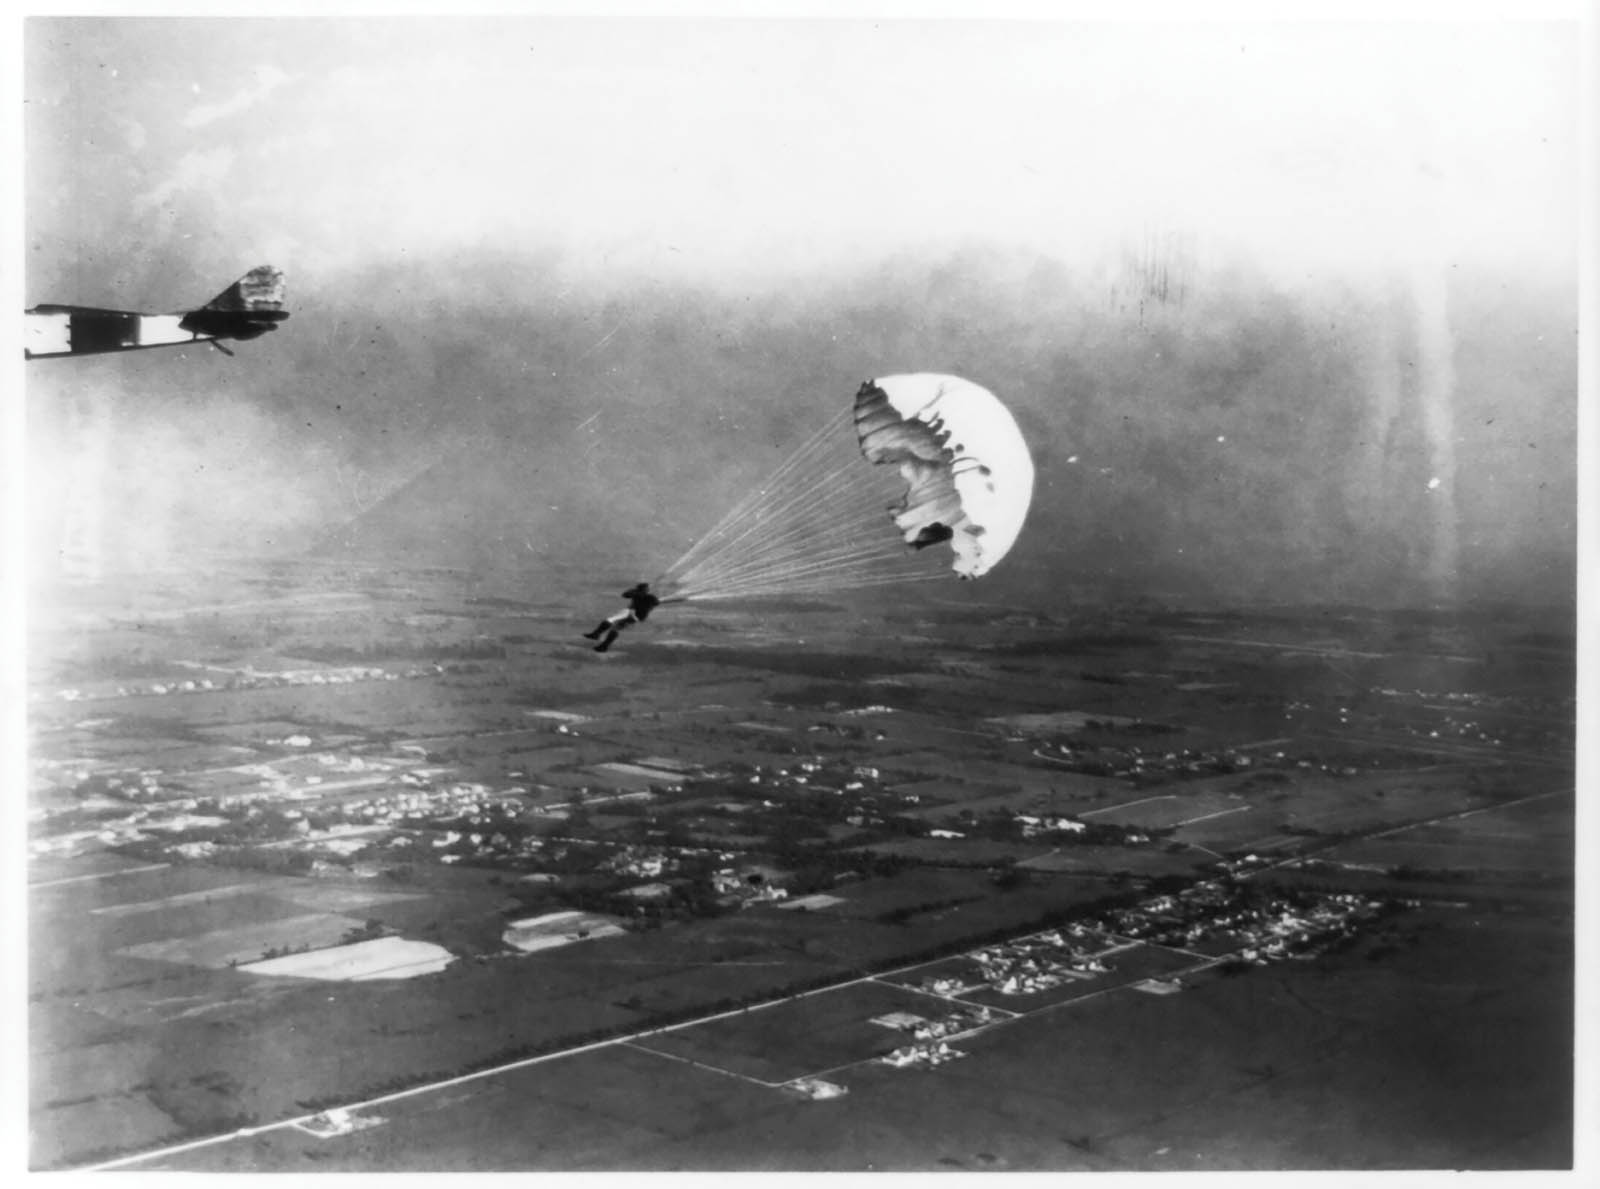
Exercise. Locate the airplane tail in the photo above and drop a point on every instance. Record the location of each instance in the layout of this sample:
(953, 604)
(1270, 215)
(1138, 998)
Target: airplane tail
(246, 309)
(258, 290)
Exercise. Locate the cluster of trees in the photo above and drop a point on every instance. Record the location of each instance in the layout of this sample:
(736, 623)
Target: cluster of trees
(902, 914)
(368, 930)
(279, 951)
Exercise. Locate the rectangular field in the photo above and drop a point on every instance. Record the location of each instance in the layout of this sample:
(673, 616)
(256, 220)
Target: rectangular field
(247, 943)
(872, 897)
(131, 932)
(1234, 829)
(958, 850)
(382, 957)
(1164, 810)
(932, 794)
(798, 1036)
(1103, 860)
(181, 898)
(1532, 838)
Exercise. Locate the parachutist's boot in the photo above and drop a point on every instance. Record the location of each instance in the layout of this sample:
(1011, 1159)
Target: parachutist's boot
(598, 632)
(606, 643)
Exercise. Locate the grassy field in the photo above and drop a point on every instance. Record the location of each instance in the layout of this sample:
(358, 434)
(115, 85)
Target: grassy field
(1534, 838)
(218, 948)
(874, 897)
(1073, 859)
(1345, 1063)
(132, 1042)
(1164, 809)
(798, 1038)
(960, 851)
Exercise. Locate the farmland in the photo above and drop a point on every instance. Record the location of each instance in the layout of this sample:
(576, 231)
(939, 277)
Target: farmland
(289, 882)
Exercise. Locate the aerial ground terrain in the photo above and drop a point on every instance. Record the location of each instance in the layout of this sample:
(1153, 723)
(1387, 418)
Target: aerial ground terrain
(340, 868)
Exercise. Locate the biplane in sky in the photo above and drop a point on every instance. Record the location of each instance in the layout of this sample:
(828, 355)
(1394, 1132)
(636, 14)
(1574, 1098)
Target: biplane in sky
(246, 309)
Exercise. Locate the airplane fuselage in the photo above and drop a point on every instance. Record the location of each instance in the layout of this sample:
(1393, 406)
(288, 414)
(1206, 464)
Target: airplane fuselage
(247, 309)
(58, 330)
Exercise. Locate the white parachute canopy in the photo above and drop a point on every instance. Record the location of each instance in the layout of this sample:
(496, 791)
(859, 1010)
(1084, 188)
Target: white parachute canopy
(825, 520)
(963, 458)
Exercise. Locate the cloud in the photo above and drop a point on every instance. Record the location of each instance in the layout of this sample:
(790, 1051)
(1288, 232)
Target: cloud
(196, 170)
(268, 80)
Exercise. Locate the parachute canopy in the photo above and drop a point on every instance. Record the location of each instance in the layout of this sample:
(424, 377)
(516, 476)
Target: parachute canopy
(963, 458)
(826, 520)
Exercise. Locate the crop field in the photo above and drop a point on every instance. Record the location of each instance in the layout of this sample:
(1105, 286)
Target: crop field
(100, 868)
(1333, 806)
(208, 924)
(960, 851)
(798, 1037)
(934, 794)
(1073, 859)
(921, 732)
(811, 903)
(246, 943)
(140, 1031)
(1162, 810)
(982, 801)
(1013, 765)
(62, 899)
(382, 957)
(1261, 1072)
(1231, 830)
(873, 897)
(532, 933)
(89, 745)
(114, 1120)
(253, 731)
(1036, 897)
(177, 900)
(327, 896)
(1536, 838)
(1060, 721)
(618, 1107)
(144, 934)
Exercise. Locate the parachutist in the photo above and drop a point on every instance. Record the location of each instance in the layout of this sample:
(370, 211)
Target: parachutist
(640, 603)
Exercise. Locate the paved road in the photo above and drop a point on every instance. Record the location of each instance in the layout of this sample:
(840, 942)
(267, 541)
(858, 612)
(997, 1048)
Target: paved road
(630, 1039)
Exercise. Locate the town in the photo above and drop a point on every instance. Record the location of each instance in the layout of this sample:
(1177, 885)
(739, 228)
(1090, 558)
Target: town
(946, 846)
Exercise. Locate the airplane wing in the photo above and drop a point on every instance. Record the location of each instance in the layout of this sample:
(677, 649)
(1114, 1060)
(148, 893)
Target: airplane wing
(246, 309)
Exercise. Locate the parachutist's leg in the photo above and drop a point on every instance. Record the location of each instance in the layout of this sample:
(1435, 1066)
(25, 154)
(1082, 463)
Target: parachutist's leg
(599, 631)
(611, 637)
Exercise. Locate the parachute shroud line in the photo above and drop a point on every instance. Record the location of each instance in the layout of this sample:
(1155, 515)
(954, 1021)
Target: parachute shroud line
(821, 520)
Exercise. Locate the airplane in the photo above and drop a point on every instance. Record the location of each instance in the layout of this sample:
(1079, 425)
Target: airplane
(246, 309)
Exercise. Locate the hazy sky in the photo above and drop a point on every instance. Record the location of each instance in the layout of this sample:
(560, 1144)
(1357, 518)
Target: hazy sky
(719, 148)
(497, 227)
